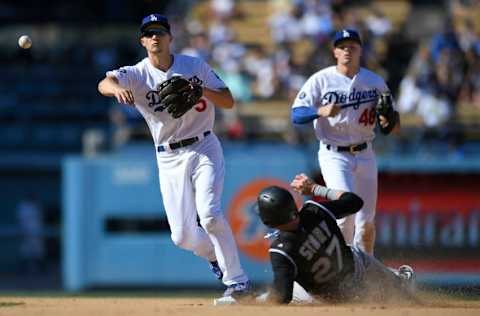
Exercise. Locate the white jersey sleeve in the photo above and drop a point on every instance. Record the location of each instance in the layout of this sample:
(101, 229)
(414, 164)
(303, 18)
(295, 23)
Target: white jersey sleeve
(210, 78)
(127, 76)
(310, 94)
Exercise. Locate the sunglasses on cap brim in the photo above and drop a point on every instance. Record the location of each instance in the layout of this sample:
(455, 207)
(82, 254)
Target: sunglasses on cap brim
(150, 33)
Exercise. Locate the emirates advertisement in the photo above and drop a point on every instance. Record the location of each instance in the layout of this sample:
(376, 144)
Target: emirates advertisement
(430, 222)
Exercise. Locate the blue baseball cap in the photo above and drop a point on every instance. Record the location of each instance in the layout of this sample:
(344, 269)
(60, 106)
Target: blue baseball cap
(346, 34)
(156, 19)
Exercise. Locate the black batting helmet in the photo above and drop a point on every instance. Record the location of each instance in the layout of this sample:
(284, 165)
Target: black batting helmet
(276, 206)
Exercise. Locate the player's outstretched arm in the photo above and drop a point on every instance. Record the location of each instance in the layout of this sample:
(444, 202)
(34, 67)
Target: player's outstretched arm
(329, 110)
(110, 87)
(305, 186)
(221, 98)
(303, 115)
(341, 203)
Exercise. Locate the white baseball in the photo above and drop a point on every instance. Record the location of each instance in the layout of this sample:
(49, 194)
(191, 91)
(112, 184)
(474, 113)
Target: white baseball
(25, 42)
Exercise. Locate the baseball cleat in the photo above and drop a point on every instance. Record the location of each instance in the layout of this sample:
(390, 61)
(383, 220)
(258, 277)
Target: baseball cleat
(216, 269)
(406, 273)
(239, 290)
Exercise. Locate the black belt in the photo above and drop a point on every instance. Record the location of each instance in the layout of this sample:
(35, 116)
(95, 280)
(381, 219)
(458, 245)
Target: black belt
(182, 143)
(353, 149)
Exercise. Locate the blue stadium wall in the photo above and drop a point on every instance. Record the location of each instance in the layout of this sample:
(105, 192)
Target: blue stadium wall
(115, 232)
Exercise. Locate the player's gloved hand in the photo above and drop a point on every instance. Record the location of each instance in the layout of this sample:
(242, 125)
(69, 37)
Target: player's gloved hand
(329, 110)
(387, 117)
(124, 96)
(178, 96)
(302, 184)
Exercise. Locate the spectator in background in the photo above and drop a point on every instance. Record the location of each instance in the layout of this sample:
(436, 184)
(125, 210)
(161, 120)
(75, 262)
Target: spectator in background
(31, 228)
(199, 46)
(226, 51)
(467, 37)
(378, 23)
(446, 39)
(432, 87)
(317, 21)
(126, 124)
(222, 9)
(286, 25)
(469, 41)
(421, 91)
(419, 67)
(228, 122)
(471, 87)
(259, 67)
(220, 32)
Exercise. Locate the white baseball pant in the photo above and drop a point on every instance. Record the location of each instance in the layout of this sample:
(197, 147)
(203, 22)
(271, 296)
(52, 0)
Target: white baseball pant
(191, 183)
(355, 173)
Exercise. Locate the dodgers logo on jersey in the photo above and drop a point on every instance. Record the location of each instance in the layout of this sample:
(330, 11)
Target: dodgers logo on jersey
(353, 99)
(154, 99)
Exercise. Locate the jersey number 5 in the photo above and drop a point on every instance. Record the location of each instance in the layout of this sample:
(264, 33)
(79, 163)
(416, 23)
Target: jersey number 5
(367, 117)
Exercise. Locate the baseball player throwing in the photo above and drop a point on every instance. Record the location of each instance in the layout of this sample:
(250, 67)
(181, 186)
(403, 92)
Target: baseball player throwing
(345, 101)
(309, 249)
(176, 95)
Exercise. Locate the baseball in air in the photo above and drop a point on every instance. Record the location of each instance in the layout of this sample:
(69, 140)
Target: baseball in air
(25, 42)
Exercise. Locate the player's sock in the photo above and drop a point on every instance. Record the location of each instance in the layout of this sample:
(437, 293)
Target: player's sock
(216, 269)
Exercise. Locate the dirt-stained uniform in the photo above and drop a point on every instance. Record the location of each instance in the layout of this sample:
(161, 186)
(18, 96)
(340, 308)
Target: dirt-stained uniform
(317, 257)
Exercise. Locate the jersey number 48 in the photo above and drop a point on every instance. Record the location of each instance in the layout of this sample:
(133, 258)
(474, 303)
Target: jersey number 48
(367, 117)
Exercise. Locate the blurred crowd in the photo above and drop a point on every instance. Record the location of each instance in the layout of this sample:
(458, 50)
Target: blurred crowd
(443, 72)
(274, 68)
(429, 75)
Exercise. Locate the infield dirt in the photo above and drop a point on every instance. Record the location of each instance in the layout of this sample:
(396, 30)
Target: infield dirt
(161, 306)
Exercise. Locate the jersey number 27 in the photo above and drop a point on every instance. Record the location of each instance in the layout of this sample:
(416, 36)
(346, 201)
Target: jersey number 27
(322, 268)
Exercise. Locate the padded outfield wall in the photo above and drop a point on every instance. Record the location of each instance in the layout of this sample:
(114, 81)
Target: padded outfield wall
(115, 232)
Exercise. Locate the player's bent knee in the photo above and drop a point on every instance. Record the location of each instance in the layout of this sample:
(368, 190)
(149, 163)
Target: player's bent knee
(182, 239)
(213, 224)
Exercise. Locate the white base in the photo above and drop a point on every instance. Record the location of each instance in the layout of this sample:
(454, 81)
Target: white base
(227, 300)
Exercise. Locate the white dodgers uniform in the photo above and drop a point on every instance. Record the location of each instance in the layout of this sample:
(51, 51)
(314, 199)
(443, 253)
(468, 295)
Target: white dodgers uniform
(346, 156)
(190, 161)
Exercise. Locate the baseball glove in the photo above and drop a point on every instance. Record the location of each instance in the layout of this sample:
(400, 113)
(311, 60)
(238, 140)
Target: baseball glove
(384, 108)
(178, 96)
